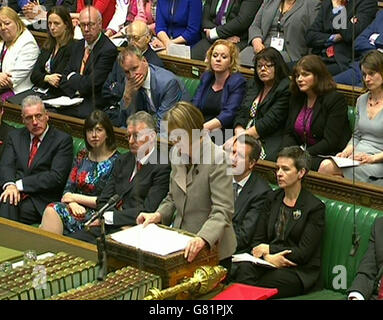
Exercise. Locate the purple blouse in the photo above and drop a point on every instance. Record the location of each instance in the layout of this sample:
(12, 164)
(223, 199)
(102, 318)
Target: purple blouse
(303, 125)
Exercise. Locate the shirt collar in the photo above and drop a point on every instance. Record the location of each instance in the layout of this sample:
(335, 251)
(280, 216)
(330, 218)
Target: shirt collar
(145, 159)
(42, 136)
(91, 46)
(243, 181)
(146, 84)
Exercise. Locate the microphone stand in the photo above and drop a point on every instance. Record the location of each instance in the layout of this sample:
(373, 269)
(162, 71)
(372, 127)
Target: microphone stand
(101, 249)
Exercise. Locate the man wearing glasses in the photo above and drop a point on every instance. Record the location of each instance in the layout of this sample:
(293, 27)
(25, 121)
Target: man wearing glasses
(34, 166)
(91, 60)
(140, 178)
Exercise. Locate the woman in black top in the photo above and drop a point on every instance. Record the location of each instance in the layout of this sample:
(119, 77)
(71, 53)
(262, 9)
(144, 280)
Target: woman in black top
(56, 51)
(264, 109)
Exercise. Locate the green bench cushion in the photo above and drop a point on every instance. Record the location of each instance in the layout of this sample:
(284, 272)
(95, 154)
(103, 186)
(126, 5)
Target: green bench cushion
(191, 84)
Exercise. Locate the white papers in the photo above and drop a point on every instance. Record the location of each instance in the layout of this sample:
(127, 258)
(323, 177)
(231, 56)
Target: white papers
(118, 41)
(39, 257)
(343, 162)
(37, 22)
(240, 257)
(77, 33)
(153, 239)
(63, 101)
(179, 50)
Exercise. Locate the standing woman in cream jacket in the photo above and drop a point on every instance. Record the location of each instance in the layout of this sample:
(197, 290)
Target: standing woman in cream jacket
(200, 190)
(19, 52)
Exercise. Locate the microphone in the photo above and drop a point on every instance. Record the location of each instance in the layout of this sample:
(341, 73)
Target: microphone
(111, 203)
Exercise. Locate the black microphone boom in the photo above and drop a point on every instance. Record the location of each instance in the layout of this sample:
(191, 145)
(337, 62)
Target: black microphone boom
(111, 203)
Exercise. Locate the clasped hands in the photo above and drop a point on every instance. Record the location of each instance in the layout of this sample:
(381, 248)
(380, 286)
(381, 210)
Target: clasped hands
(278, 259)
(193, 247)
(6, 80)
(77, 210)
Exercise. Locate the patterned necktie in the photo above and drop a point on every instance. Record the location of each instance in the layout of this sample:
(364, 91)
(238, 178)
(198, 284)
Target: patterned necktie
(380, 293)
(221, 12)
(32, 153)
(253, 109)
(84, 60)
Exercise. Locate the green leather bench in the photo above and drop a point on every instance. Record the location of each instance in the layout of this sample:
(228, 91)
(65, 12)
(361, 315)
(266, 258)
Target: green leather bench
(337, 244)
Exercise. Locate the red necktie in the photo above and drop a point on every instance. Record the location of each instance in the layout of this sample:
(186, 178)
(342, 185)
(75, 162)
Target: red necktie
(138, 166)
(33, 151)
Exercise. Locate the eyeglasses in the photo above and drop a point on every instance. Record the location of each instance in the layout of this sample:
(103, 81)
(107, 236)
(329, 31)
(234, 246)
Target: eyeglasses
(266, 66)
(89, 25)
(37, 117)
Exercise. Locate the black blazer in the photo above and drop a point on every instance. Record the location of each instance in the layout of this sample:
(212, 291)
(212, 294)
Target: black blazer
(270, 119)
(99, 65)
(303, 236)
(371, 267)
(247, 209)
(45, 180)
(4, 130)
(330, 126)
(322, 28)
(71, 5)
(241, 15)
(59, 62)
(144, 193)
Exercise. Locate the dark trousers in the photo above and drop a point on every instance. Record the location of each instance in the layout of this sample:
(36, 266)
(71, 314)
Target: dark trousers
(92, 234)
(24, 212)
(285, 280)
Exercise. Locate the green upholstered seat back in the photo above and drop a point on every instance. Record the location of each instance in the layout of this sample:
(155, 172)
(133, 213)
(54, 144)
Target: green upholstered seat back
(191, 84)
(338, 238)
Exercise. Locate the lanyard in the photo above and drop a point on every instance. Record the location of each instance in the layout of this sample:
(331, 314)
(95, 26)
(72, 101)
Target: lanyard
(279, 29)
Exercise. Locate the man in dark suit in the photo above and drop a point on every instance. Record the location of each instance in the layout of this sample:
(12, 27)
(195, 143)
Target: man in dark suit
(148, 87)
(230, 21)
(140, 178)
(249, 190)
(4, 130)
(138, 34)
(35, 165)
(89, 65)
(370, 273)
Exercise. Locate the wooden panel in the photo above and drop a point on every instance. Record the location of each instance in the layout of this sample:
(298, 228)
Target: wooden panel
(21, 237)
(363, 194)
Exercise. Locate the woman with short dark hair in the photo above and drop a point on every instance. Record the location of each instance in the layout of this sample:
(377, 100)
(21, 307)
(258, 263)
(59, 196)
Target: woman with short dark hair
(317, 120)
(89, 175)
(288, 233)
(264, 109)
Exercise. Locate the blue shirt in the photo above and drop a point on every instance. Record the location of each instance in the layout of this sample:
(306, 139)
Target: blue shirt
(180, 18)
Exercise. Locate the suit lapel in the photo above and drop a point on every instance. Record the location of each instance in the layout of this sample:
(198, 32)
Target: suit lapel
(298, 211)
(274, 214)
(26, 146)
(317, 107)
(93, 54)
(240, 203)
(129, 169)
(295, 8)
(180, 177)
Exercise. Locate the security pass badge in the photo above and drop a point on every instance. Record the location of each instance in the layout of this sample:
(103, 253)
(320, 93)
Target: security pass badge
(297, 214)
(277, 43)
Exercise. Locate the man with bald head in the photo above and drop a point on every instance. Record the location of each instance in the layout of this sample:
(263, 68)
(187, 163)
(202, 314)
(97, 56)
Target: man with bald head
(138, 34)
(91, 61)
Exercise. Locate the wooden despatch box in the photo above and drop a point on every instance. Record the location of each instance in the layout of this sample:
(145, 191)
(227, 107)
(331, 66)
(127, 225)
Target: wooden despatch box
(172, 268)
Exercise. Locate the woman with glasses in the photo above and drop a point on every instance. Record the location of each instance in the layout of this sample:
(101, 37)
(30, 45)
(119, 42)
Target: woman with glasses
(222, 86)
(264, 109)
(55, 52)
(89, 175)
(317, 120)
(19, 52)
(288, 233)
(366, 144)
(281, 24)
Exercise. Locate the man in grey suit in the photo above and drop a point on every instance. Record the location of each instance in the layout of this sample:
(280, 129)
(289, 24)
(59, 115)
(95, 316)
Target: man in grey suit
(277, 19)
(148, 87)
(366, 282)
